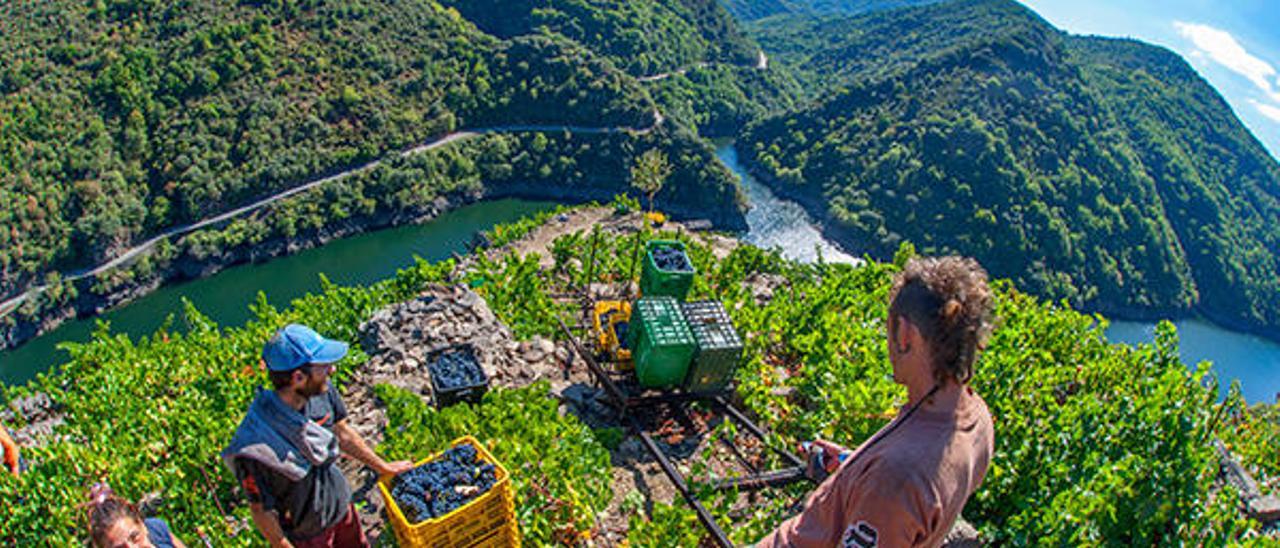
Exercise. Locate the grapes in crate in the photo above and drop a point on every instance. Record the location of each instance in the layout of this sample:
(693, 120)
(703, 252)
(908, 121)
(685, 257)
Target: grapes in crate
(442, 485)
(620, 330)
(671, 259)
(456, 369)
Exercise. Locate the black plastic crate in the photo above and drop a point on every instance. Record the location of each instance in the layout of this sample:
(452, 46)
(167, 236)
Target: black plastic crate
(718, 347)
(470, 382)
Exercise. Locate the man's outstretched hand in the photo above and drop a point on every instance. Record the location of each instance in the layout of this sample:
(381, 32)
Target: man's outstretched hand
(396, 468)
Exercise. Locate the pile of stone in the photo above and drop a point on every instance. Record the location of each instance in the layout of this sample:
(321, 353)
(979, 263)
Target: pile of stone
(37, 414)
(399, 337)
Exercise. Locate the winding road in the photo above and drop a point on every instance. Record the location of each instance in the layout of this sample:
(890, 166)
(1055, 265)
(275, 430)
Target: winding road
(8, 306)
(762, 63)
(13, 303)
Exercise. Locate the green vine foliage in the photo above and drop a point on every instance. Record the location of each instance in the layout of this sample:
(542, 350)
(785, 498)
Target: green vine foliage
(559, 471)
(518, 293)
(150, 416)
(1097, 443)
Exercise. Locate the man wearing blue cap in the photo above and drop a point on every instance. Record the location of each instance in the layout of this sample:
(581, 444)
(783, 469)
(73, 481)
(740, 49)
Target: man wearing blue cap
(286, 450)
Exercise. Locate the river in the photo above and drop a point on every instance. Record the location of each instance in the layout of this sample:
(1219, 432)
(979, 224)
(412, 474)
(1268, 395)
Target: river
(225, 297)
(773, 222)
(1252, 360)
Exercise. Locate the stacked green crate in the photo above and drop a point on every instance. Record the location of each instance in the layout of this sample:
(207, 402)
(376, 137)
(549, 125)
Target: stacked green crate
(667, 270)
(660, 341)
(719, 348)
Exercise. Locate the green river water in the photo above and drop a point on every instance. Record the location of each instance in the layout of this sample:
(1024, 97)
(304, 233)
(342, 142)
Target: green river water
(225, 297)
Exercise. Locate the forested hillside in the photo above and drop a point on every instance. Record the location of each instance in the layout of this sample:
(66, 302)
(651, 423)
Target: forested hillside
(748, 10)
(720, 100)
(827, 53)
(697, 63)
(1099, 171)
(1219, 186)
(643, 37)
(125, 117)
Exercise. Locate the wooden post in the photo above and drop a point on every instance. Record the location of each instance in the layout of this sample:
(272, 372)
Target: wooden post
(635, 254)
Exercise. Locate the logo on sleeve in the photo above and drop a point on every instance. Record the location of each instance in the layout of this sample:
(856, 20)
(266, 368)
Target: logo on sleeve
(251, 486)
(860, 535)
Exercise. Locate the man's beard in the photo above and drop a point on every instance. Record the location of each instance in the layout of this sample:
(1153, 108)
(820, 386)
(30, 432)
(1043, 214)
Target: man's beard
(313, 387)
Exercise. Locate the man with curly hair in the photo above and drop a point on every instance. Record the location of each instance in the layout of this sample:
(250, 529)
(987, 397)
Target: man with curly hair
(906, 485)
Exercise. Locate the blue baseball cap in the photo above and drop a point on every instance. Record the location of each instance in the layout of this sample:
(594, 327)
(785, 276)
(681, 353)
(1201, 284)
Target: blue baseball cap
(295, 345)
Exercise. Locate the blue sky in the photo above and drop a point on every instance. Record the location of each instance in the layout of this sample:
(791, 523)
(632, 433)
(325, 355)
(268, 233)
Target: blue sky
(1234, 44)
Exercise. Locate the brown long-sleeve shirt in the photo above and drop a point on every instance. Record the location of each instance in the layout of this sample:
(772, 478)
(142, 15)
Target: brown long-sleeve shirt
(8, 450)
(906, 490)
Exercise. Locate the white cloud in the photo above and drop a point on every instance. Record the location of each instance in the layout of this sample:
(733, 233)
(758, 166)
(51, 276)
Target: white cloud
(1223, 48)
(1270, 111)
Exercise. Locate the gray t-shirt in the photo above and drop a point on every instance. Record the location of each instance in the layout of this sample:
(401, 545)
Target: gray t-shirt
(321, 499)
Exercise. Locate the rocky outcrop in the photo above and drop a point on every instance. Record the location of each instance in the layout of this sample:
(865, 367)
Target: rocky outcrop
(38, 415)
(1261, 507)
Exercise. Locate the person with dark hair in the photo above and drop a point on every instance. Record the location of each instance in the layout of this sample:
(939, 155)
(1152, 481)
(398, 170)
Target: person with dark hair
(906, 485)
(286, 450)
(117, 523)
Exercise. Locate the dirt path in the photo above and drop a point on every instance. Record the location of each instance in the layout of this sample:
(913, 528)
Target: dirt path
(539, 240)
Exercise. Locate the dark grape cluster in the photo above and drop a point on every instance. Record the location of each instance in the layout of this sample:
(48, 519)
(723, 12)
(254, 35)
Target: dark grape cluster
(671, 259)
(456, 369)
(620, 329)
(442, 485)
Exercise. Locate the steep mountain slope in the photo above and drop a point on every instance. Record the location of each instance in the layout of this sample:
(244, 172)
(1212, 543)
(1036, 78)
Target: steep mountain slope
(1098, 443)
(699, 66)
(825, 53)
(126, 117)
(1093, 170)
(1219, 186)
(643, 37)
(720, 99)
(748, 10)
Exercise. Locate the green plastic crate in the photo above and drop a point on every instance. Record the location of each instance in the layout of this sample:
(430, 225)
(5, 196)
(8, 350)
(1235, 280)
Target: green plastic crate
(718, 347)
(652, 310)
(661, 344)
(656, 282)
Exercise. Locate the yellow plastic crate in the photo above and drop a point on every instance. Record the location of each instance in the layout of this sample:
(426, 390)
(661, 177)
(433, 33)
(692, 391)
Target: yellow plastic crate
(488, 520)
(607, 314)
